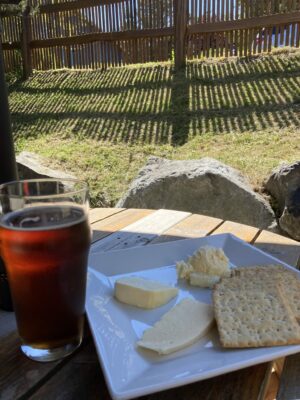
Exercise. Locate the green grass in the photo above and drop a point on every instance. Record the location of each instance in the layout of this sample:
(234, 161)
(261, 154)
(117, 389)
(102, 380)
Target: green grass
(103, 125)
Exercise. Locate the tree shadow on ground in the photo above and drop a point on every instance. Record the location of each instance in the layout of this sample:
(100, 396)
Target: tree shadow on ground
(179, 108)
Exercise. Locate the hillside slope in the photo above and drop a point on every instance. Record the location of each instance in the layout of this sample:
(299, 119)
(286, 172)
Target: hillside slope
(102, 125)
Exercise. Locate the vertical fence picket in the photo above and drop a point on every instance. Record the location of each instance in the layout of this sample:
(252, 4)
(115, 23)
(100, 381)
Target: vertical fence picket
(25, 43)
(297, 41)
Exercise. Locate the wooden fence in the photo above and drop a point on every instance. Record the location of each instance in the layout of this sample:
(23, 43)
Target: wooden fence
(230, 27)
(102, 33)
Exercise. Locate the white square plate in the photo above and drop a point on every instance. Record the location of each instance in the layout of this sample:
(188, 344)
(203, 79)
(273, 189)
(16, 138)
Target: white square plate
(116, 327)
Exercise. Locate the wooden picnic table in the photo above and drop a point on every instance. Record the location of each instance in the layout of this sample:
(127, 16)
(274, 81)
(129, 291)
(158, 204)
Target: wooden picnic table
(80, 377)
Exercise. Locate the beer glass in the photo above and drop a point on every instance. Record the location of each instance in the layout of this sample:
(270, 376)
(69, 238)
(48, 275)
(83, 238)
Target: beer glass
(44, 242)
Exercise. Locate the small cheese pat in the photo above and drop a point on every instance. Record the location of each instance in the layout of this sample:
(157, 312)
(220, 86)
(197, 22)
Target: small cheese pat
(203, 280)
(180, 327)
(143, 293)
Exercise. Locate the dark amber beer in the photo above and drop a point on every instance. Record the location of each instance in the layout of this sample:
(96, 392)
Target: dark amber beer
(45, 249)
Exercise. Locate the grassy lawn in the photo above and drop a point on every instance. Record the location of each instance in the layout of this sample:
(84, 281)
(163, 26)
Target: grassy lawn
(103, 125)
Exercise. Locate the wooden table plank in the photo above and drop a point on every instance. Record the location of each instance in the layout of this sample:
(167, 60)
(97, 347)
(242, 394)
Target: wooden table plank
(286, 249)
(116, 222)
(97, 214)
(244, 232)
(244, 384)
(141, 232)
(193, 226)
(82, 378)
(18, 374)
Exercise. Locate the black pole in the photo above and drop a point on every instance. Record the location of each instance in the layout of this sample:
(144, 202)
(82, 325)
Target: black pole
(8, 167)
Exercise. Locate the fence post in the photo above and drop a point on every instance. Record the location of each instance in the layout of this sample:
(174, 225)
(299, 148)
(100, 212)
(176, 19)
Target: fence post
(25, 43)
(180, 21)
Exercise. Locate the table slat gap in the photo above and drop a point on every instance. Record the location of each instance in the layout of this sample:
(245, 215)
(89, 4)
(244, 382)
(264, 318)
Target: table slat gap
(266, 381)
(194, 226)
(99, 214)
(216, 228)
(244, 232)
(255, 237)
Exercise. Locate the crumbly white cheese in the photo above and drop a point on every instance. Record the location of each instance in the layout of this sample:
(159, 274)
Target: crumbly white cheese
(143, 293)
(183, 270)
(182, 326)
(210, 260)
(206, 261)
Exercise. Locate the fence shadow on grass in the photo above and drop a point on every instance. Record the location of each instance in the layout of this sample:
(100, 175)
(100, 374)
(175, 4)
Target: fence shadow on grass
(155, 105)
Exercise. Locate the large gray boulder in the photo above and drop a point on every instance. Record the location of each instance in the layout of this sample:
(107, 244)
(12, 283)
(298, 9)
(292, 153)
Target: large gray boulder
(290, 218)
(33, 166)
(204, 186)
(284, 186)
(283, 179)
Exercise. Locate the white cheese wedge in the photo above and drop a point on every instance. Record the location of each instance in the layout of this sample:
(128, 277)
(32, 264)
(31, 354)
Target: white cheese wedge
(143, 293)
(180, 327)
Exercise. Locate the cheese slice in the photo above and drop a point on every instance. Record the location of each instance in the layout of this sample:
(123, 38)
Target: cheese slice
(144, 293)
(182, 326)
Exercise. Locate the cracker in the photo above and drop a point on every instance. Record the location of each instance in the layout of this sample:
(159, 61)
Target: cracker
(247, 283)
(258, 269)
(254, 318)
(291, 291)
(260, 276)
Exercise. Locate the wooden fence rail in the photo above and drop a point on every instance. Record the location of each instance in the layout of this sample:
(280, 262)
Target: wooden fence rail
(102, 33)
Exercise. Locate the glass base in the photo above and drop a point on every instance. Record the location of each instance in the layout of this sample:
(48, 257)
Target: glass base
(46, 355)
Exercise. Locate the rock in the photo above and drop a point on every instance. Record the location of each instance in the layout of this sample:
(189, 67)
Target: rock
(290, 219)
(284, 186)
(32, 166)
(282, 180)
(203, 186)
(275, 228)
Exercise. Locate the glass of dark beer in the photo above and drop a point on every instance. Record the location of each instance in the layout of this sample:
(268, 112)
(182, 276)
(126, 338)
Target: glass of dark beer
(44, 242)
